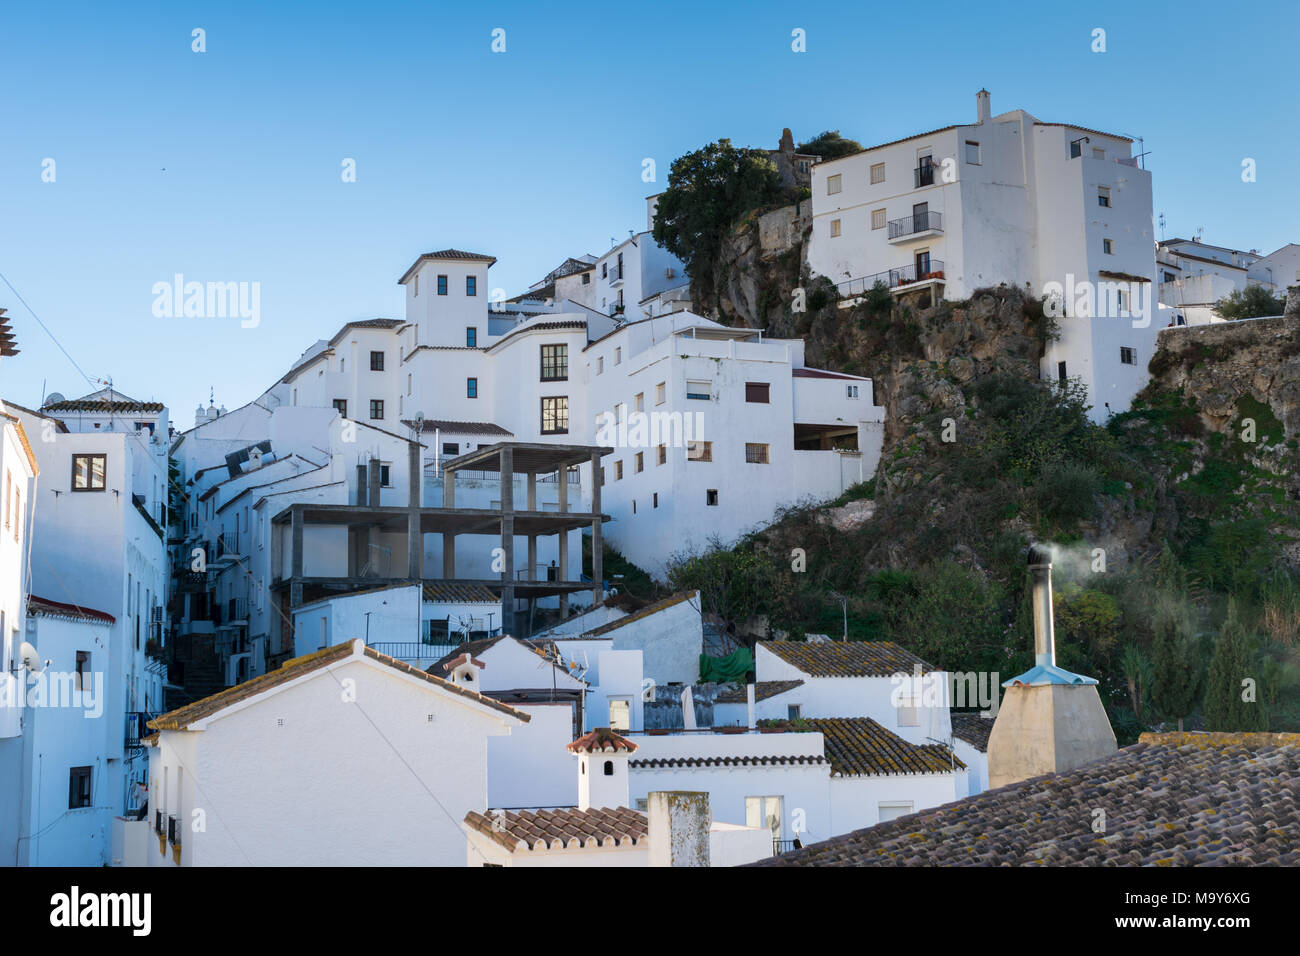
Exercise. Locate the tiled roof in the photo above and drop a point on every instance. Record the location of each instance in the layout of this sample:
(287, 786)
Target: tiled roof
(453, 254)
(644, 612)
(473, 648)
(974, 729)
(763, 689)
(102, 405)
(453, 592)
(602, 740)
(561, 829)
(6, 336)
(858, 746)
(366, 324)
(822, 373)
(846, 658)
(1179, 799)
(460, 428)
(46, 607)
(183, 717)
(816, 760)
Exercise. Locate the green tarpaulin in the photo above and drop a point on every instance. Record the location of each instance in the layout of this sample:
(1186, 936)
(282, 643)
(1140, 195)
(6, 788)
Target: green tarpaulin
(721, 670)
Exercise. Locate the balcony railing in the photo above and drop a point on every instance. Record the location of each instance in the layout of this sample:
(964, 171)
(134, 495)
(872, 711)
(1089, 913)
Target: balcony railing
(137, 727)
(174, 831)
(905, 275)
(923, 175)
(917, 222)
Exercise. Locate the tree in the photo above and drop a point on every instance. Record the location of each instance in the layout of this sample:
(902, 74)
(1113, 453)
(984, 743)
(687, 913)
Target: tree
(1137, 672)
(1177, 673)
(708, 191)
(1249, 303)
(1228, 706)
(830, 145)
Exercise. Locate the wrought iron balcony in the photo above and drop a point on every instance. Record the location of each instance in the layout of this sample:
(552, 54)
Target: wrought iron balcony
(915, 224)
(894, 278)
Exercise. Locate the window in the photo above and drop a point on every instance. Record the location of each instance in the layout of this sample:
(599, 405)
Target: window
(1060, 371)
(1169, 277)
(376, 408)
(892, 811)
(620, 713)
(764, 812)
(408, 383)
(757, 392)
(376, 361)
(451, 448)
(850, 391)
(640, 462)
(83, 670)
(442, 285)
(908, 716)
(417, 285)
(633, 506)
(972, 152)
(877, 173)
(792, 712)
(609, 768)
(699, 451)
(1127, 356)
(620, 267)
(661, 393)
(78, 788)
(656, 499)
(89, 472)
(1076, 149)
(471, 338)
(341, 406)
(699, 390)
(835, 229)
(834, 184)
(877, 219)
(711, 497)
(600, 364)
(471, 285)
(663, 454)
(604, 270)
(385, 474)
(1103, 196)
(1108, 247)
(618, 470)
(471, 388)
(586, 278)
(618, 355)
(756, 454)
(1098, 153)
(638, 403)
(555, 416)
(555, 363)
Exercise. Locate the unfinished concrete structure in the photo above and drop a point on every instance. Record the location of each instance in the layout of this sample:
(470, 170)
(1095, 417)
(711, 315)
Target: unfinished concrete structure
(366, 519)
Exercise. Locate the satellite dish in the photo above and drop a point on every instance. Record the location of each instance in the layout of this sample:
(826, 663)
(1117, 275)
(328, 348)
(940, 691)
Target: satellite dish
(29, 657)
(53, 398)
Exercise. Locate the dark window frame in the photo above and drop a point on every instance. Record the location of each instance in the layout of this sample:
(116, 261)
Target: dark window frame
(471, 286)
(90, 471)
(341, 406)
(557, 428)
(758, 388)
(376, 404)
(471, 337)
(80, 788)
(376, 360)
(471, 387)
(556, 369)
(442, 285)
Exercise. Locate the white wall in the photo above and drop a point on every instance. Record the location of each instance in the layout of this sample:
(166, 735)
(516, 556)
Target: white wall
(530, 767)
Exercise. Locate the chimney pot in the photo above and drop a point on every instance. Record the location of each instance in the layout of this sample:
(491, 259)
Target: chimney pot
(982, 108)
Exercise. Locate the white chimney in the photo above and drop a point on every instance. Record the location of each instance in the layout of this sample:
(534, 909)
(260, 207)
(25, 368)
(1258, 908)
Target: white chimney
(1050, 720)
(982, 106)
(749, 701)
(678, 824)
(602, 769)
(688, 709)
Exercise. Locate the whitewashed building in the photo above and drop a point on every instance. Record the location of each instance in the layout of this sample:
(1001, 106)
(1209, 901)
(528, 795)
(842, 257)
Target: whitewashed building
(363, 760)
(1194, 276)
(1061, 209)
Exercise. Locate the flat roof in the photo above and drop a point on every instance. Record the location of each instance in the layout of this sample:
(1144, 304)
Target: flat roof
(534, 458)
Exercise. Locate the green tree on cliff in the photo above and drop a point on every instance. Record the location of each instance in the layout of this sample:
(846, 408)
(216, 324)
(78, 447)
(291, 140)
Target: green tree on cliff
(1228, 705)
(1250, 303)
(708, 191)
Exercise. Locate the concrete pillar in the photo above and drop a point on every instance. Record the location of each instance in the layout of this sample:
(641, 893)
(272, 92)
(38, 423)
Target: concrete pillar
(530, 573)
(373, 494)
(597, 559)
(508, 539)
(448, 539)
(678, 824)
(563, 484)
(362, 481)
(414, 537)
(295, 557)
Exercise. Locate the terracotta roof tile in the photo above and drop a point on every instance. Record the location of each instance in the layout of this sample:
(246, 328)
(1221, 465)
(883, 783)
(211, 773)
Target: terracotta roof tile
(811, 760)
(183, 717)
(453, 592)
(763, 689)
(974, 729)
(638, 615)
(561, 829)
(44, 606)
(858, 746)
(1190, 799)
(847, 658)
(602, 740)
(101, 405)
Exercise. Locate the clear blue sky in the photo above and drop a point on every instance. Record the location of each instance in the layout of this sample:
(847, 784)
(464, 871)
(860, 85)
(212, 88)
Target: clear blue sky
(225, 165)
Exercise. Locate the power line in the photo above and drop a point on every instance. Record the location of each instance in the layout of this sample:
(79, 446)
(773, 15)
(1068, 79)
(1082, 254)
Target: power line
(53, 338)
